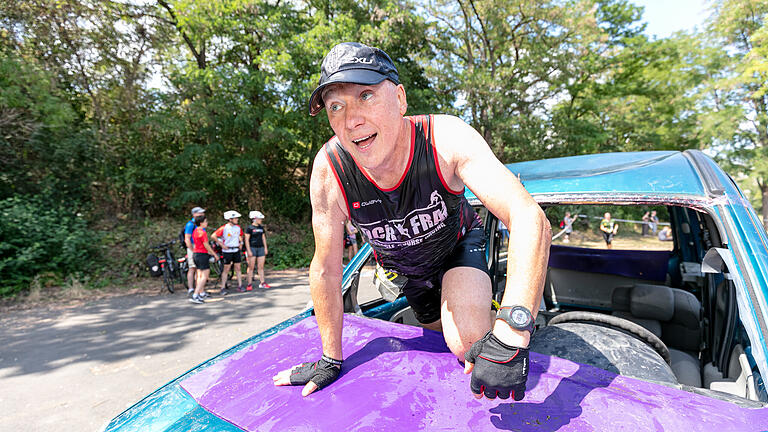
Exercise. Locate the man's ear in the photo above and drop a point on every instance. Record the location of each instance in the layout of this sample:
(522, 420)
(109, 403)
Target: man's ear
(401, 98)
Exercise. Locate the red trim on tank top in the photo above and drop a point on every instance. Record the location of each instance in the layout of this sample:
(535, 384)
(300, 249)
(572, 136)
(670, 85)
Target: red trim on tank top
(437, 162)
(335, 174)
(407, 166)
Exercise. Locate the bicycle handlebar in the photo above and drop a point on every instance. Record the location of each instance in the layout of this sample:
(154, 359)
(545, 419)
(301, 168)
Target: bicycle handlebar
(162, 246)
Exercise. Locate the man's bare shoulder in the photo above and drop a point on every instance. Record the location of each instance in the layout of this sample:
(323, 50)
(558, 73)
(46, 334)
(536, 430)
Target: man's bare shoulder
(324, 189)
(321, 168)
(454, 136)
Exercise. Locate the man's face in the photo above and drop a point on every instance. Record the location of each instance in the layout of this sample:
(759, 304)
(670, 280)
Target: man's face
(194, 215)
(234, 220)
(366, 118)
(608, 216)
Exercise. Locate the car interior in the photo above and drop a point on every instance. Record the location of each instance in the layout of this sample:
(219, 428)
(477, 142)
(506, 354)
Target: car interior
(661, 311)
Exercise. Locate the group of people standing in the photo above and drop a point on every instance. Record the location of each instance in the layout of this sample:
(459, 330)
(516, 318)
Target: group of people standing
(650, 223)
(233, 241)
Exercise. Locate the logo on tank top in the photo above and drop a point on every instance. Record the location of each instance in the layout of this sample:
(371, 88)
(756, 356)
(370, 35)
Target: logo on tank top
(417, 226)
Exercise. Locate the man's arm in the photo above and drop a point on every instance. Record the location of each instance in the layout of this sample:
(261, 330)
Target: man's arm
(466, 159)
(210, 249)
(216, 236)
(247, 242)
(188, 241)
(325, 270)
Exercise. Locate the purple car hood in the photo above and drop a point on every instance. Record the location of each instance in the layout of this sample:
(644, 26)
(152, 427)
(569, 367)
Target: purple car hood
(398, 377)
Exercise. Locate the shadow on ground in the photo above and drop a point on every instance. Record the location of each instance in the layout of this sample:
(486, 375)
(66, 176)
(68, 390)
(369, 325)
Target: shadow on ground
(110, 330)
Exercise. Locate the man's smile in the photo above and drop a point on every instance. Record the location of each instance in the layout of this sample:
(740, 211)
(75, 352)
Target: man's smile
(364, 142)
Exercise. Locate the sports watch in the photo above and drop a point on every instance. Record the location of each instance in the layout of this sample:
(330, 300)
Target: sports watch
(518, 317)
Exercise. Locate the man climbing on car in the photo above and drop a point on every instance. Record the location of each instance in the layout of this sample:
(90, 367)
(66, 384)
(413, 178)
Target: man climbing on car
(401, 181)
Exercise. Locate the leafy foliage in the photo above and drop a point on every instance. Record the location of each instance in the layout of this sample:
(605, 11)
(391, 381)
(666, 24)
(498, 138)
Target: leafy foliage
(144, 109)
(738, 90)
(39, 238)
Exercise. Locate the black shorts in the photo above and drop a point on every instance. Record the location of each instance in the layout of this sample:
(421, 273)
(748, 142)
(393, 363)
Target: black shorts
(231, 257)
(201, 261)
(257, 251)
(424, 296)
(608, 237)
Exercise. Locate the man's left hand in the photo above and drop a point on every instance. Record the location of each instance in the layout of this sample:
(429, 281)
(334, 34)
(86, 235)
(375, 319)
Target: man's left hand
(497, 369)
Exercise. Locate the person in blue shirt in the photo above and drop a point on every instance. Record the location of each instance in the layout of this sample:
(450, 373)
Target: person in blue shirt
(189, 228)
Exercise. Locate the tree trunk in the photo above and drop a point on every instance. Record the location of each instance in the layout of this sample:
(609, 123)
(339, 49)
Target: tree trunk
(764, 210)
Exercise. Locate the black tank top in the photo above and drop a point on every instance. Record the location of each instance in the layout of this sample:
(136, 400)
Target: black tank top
(415, 225)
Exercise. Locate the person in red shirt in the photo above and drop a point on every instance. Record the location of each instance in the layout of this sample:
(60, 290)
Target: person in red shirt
(202, 254)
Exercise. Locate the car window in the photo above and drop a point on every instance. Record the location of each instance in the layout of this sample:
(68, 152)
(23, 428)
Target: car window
(611, 227)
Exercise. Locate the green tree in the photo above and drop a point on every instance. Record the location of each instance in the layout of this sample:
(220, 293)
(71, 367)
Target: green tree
(544, 79)
(739, 90)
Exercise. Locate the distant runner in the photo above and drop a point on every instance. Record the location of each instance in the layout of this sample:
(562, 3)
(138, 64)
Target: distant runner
(609, 229)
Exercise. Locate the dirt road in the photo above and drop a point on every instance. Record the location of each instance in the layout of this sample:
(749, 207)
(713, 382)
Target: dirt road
(74, 369)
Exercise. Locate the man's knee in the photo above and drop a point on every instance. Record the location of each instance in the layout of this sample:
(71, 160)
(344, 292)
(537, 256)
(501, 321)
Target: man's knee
(435, 325)
(460, 343)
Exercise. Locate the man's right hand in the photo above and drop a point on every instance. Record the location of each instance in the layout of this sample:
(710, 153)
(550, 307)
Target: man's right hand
(497, 369)
(315, 375)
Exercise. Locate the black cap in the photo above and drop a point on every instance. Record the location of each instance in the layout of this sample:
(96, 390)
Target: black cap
(352, 62)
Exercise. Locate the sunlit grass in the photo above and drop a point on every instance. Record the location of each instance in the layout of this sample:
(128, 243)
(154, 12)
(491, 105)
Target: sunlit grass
(627, 238)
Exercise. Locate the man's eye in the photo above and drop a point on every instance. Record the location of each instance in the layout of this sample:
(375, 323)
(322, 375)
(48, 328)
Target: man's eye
(366, 95)
(335, 107)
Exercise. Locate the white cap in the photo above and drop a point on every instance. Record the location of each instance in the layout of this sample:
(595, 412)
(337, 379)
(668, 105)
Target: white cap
(231, 214)
(255, 214)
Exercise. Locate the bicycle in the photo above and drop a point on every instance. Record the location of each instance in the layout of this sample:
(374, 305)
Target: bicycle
(169, 265)
(216, 264)
(183, 266)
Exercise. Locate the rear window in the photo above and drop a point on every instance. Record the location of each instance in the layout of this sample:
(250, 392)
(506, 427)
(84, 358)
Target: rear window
(611, 227)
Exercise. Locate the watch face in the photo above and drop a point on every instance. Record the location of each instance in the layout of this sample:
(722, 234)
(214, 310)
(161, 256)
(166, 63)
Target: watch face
(519, 317)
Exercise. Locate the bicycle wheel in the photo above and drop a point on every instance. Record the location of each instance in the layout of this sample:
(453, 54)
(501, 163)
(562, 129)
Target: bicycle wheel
(216, 267)
(168, 278)
(183, 269)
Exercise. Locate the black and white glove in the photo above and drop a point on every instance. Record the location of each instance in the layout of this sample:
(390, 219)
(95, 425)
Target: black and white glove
(500, 370)
(322, 372)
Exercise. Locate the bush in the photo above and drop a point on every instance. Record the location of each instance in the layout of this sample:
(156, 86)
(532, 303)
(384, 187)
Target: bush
(41, 237)
(126, 243)
(290, 246)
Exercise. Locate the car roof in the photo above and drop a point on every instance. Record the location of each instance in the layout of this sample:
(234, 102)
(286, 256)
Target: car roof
(632, 173)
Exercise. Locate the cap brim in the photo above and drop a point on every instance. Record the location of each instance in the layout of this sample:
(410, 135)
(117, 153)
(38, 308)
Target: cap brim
(353, 76)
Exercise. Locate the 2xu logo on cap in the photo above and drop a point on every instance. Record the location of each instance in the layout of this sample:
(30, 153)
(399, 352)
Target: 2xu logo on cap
(361, 60)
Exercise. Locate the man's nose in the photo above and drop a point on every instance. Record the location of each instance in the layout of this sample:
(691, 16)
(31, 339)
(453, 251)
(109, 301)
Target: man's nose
(354, 119)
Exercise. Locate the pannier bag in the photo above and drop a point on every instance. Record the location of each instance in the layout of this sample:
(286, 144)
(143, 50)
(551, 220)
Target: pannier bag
(153, 264)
